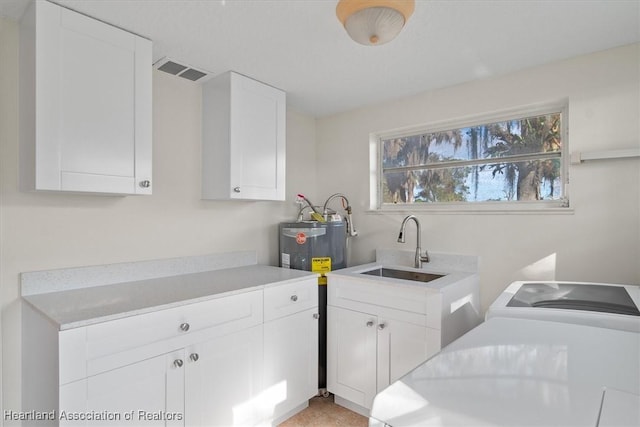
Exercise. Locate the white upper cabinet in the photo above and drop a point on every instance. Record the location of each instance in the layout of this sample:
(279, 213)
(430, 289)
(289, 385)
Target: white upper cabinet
(85, 104)
(243, 139)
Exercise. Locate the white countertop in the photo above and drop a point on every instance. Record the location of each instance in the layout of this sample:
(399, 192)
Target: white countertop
(84, 306)
(510, 372)
(450, 277)
(453, 268)
(64, 279)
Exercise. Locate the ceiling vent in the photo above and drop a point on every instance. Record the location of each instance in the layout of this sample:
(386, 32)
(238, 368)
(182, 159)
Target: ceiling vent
(181, 70)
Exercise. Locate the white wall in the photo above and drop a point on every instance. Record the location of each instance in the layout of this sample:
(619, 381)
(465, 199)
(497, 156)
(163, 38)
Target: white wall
(600, 241)
(47, 231)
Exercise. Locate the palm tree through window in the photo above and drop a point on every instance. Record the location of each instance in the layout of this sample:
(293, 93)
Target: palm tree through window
(511, 160)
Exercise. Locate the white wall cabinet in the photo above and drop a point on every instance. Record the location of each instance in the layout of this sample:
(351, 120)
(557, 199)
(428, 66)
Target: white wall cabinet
(243, 139)
(376, 333)
(85, 104)
(244, 359)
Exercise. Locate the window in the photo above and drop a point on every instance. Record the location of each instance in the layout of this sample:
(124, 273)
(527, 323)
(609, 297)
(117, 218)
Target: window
(514, 159)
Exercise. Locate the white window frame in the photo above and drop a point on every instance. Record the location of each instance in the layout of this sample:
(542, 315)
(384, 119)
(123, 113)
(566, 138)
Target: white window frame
(538, 206)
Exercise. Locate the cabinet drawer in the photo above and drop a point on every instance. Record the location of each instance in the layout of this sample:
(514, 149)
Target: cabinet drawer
(176, 324)
(378, 298)
(283, 300)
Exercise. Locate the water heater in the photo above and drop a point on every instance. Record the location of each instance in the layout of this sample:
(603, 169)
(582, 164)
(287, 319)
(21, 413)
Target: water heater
(313, 245)
(320, 247)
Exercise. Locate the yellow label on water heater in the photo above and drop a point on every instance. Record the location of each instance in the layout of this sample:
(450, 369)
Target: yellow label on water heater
(321, 265)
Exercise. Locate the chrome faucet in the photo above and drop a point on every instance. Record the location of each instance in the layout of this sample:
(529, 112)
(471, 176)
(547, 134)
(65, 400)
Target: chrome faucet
(351, 230)
(419, 258)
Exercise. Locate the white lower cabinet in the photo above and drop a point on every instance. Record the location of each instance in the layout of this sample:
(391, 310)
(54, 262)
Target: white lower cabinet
(214, 383)
(149, 392)
(351, 354)
(402, 346)
(222, 380)
(375, 335)
(291, 363)
(247, 359)
(290, 349)
(366, 353)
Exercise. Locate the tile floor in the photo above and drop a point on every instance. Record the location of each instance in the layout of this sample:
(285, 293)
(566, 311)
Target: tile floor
(322, 412)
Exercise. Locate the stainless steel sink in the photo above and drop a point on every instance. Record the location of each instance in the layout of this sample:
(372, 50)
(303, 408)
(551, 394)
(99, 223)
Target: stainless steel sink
(416, 276)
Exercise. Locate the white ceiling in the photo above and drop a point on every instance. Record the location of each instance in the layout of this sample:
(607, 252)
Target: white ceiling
(300, 47)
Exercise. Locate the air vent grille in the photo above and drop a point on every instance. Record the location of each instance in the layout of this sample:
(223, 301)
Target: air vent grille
(193, 75)
(181, 70)
(172, 68)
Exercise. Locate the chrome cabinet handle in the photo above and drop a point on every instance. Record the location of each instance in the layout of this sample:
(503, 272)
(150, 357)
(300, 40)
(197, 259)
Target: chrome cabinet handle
(178, 363)
(194, 357)
(236, 189)
(184, 327)
(145, 184)
(381, 326)
(316, 316)
(369, 323)
(294, 298)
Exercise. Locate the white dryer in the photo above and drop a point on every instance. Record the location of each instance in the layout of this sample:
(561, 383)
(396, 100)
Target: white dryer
(549, 354)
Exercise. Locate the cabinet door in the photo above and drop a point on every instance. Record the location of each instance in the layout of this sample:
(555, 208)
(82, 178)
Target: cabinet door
(257, 140)
(402, 346)
(351, 355)
(147, 393)
(223, 379)
(93, 105)
(290, 363)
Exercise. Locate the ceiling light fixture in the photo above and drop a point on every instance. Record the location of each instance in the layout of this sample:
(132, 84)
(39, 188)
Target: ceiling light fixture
(374, 22)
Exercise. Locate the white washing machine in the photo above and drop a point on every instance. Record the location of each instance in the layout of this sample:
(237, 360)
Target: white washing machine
(548, 354)
(595, 304)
